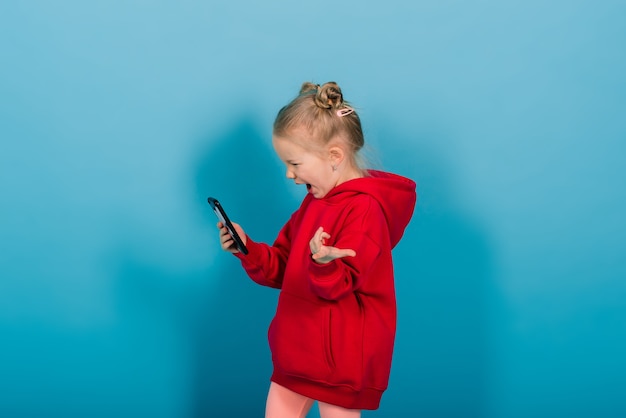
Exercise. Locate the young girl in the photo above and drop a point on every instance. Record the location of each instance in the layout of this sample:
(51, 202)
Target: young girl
(333, 333)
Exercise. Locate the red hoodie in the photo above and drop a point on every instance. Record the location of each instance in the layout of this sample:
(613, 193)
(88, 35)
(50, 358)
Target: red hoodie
(333, 333)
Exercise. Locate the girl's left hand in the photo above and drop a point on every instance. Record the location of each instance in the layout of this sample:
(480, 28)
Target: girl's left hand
(323, 253)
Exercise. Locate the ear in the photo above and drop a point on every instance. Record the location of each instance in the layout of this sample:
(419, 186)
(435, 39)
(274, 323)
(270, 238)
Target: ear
(336, 155)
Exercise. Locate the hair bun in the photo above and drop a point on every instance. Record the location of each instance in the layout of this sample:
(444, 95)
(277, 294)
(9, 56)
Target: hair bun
(327, 96)
(308, 87)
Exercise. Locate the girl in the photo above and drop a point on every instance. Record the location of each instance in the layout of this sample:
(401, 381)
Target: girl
(333, 333)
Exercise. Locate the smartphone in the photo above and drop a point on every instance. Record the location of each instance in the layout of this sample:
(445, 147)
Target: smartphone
(221, 215)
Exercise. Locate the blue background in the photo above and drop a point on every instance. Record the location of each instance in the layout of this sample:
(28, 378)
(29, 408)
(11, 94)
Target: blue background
(119, 118)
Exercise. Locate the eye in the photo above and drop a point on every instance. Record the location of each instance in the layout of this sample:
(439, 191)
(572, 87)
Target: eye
(295, 164)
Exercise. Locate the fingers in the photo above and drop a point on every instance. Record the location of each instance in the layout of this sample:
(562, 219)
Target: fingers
(240, 232)
(320, 234)
(317, 237)
(328, 254)
(346, 253)
(226, 240)
(318, 241)
(334, 252)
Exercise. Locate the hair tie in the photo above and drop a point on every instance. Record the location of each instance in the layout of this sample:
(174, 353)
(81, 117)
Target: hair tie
(344, 111)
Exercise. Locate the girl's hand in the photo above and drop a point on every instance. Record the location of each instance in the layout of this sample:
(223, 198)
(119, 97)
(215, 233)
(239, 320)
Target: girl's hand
(323, 253)
(227, 242)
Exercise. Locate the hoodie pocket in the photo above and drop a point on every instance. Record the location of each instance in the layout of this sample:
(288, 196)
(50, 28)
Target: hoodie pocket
(345, 344)
(299, 338)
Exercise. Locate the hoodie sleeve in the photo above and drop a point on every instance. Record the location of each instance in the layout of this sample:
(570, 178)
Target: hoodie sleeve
(265, 264)
(366, 232)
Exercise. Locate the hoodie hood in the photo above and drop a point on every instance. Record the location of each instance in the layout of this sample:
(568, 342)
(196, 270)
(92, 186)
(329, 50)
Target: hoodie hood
(395, 194)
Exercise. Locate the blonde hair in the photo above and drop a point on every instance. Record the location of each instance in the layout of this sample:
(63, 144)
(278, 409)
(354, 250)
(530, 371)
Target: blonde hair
(324, 115)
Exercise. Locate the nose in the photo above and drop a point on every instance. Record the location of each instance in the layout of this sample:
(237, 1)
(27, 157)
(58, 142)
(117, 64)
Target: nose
(290, 174)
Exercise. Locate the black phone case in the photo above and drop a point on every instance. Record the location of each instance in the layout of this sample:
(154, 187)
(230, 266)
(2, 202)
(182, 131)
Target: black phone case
(221, 213)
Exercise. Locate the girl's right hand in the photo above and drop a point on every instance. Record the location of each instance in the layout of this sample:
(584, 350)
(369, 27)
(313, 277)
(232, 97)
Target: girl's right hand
(227, 242)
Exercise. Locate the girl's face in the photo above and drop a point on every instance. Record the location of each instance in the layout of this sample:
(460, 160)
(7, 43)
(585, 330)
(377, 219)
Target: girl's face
(307, 167)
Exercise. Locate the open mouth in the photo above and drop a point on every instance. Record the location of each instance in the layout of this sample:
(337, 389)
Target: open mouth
(308, 186)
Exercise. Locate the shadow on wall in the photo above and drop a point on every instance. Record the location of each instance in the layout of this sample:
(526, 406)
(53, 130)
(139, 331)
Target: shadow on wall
(219, 313)
(229, 330)
(443, 274)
